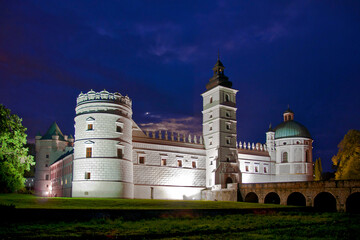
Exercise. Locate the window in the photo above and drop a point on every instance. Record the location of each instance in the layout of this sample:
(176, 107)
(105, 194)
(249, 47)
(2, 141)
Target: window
(210, 127)
(210, 141)
(47, 177)
(246, 168)
(90, 126)
(307, 156)
(87, 175)
(47, 155)
(284, 143)
(227, 159)
(163, 162)
(46, 165)
(88, 152)
(227, 98)
(119, 129)
(265, 170)
(256, 169)
(227, 114)
(228, 126)
(179, 163)
(141, 160)
(119, 153)
(227, 140)
(210, 115)
(284, 157)
(193, 164)
(211, 100)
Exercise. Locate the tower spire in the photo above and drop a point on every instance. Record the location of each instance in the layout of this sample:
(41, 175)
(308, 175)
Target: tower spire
(219, 77)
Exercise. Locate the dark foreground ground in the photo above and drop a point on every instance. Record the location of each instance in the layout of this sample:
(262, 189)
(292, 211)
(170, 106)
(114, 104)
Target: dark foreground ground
(213, 221)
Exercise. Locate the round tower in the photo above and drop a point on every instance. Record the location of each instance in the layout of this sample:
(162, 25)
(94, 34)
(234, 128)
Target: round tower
(103, 146)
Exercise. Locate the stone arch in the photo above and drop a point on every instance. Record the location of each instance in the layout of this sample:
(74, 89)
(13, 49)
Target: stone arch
(353, 203)
(325, 201)
(296, 199)
(273, 198)
(251, 197)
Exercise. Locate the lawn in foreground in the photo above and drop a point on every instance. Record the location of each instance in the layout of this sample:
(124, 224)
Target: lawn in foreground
(240, 226)
(29, 201)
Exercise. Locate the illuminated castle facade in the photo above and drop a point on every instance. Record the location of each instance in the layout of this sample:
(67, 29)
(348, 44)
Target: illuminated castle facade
(112, 157)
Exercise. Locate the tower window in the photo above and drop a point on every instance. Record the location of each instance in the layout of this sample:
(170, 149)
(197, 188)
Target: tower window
(227, 114)
(228, 126)
(119, 153)
(87, 175)
(256, 169)
(227, 140)
(307, 156)
(47, 177)
(211, 100)
(163, 162)
(265, 170)
(89, 152)
(90, 126)
(193, 164)
(179, 163)
(284, 157)
(141, 160)
(227, 98)
(119, 129)
(246, 168)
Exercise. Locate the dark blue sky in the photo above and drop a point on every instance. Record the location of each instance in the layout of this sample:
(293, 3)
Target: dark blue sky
(160, 53)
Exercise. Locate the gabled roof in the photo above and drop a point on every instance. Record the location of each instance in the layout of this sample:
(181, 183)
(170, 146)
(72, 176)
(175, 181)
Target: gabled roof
(53, 130)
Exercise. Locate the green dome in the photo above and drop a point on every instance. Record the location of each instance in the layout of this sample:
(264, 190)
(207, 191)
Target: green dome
(291, 129)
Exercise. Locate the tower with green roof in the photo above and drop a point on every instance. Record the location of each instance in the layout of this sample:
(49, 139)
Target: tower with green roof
(49, 147)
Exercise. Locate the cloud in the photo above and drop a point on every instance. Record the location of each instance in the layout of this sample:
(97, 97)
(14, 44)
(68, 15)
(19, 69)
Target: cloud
(183, 125)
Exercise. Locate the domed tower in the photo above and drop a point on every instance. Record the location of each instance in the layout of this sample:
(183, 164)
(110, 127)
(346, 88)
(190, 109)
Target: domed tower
(103, 146)
(293, 150)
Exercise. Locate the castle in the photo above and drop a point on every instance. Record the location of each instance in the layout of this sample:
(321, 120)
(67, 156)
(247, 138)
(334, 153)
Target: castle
(112, 157)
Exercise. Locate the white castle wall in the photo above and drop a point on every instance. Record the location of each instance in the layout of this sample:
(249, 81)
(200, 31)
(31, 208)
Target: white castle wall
(110, 175)
(152, 180)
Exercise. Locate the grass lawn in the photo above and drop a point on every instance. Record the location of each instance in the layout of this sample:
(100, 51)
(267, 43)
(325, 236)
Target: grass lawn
(239, 226)
(272, 225)
(29, 201)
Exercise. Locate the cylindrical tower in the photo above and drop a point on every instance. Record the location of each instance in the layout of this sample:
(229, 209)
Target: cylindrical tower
(103, 146)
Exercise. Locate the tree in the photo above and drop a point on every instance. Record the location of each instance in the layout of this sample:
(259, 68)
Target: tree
(318, 170)
(347, 160)
(14, 158)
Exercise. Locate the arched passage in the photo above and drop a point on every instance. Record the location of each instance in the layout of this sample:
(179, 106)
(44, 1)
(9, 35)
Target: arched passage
(251, 197)
(325, 201)
(229, 180)
(353, 203)
(296, 199)
(272, 198)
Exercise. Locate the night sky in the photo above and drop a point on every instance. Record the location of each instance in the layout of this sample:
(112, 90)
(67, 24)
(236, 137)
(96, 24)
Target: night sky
(161, 53)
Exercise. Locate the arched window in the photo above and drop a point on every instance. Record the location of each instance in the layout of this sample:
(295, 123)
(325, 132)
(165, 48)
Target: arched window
(227, 98)
(307, 156)
(284, 157)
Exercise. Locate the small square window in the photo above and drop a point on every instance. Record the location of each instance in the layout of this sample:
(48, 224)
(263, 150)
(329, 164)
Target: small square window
(210, 142)
(179, 163)
(228, 159)
(46, 165)
(119, 129)
(228, 141)
(90, 126)
(87, 175)
(210, 128)
(256, 169)
(141, 160)
(119, 153)
(47, 155)
(265, 169)
(193, 164)
(163, 162)
(47, 177)
(88, 152)
(246, 168)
